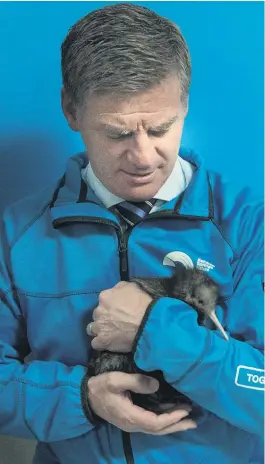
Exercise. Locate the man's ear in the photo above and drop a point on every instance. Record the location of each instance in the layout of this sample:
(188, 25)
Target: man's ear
(187, 106)
(69, 110)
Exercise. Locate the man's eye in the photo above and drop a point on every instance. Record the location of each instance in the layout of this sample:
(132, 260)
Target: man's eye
(118, 137)
(158, 133)
(124, 136)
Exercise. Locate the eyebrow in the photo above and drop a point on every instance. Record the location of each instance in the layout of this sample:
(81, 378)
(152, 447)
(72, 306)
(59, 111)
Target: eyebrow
(162, 127)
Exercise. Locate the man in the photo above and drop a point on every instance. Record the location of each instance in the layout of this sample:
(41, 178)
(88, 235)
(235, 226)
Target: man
(68, 253)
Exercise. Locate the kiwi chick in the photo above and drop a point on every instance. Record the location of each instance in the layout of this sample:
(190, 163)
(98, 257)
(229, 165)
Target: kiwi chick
(190, 285)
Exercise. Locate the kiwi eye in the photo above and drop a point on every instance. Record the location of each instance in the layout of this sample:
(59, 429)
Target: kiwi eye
(201, 302)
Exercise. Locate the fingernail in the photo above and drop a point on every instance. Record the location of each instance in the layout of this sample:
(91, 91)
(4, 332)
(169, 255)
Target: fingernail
(193, 426)
(184, 408)
(153, 383)
(187, 407)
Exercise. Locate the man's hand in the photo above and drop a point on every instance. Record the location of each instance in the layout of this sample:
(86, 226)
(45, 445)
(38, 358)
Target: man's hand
(118, 316)
(110, 399)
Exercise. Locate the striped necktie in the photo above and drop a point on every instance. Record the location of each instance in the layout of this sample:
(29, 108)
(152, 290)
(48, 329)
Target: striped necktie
(134, 212)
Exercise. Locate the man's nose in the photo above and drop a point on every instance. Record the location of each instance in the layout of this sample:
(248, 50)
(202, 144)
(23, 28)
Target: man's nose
(141, 152)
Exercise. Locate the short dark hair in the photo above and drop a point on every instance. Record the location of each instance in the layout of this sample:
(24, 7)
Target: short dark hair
(123, 49)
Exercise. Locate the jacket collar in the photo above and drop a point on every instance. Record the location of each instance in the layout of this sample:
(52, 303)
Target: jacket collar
(73, 200)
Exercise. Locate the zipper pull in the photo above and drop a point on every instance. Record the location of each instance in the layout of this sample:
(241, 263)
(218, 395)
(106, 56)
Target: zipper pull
(123, 255)
(124, 267)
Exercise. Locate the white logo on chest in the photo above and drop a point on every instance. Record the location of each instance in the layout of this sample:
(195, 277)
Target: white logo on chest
(178, 257)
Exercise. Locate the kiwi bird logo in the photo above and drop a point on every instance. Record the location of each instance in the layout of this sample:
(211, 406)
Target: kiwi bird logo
(178, 259)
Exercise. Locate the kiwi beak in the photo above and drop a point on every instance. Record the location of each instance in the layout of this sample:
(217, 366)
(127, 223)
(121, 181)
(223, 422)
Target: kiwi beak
(218, 324)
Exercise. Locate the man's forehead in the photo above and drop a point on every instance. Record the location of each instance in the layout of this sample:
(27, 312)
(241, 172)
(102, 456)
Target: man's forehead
(110, 120)
(153, 107)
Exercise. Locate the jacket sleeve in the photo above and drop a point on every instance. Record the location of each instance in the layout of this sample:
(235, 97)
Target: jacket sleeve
(224, 377)
(42, 400)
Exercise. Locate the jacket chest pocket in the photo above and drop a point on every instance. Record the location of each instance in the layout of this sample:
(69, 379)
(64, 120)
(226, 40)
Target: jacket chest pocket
(69, 264)
(56, 326)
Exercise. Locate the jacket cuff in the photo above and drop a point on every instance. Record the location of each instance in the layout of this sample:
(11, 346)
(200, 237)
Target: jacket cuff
(142, 325)
(169, 339)
(92, 417)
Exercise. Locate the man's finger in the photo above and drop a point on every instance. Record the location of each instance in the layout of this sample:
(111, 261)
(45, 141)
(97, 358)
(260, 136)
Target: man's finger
(137, 383)
(96, 313)
(171, 418)
(153, 423)
(186, 424)
(170, 407)
(100, 344)
(121, 284)
(100, 313)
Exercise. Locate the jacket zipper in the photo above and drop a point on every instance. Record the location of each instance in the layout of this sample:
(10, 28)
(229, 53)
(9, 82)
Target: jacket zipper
(123, 247)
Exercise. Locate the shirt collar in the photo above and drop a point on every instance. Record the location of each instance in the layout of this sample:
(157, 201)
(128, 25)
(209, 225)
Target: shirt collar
(173, 186)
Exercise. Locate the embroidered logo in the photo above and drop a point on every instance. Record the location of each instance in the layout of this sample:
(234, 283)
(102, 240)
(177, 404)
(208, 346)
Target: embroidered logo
(204, 265)
(178, 258)
(250, 377)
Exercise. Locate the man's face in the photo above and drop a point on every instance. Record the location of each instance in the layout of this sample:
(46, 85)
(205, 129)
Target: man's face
(132, 144)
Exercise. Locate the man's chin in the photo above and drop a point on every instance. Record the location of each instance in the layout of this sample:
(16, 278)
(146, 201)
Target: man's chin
(138, 193)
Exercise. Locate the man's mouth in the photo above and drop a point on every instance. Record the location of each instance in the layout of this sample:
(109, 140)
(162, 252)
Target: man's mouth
(139, 174)
(140, 178)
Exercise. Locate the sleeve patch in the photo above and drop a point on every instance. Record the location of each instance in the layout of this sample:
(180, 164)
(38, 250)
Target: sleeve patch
(250, 377)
